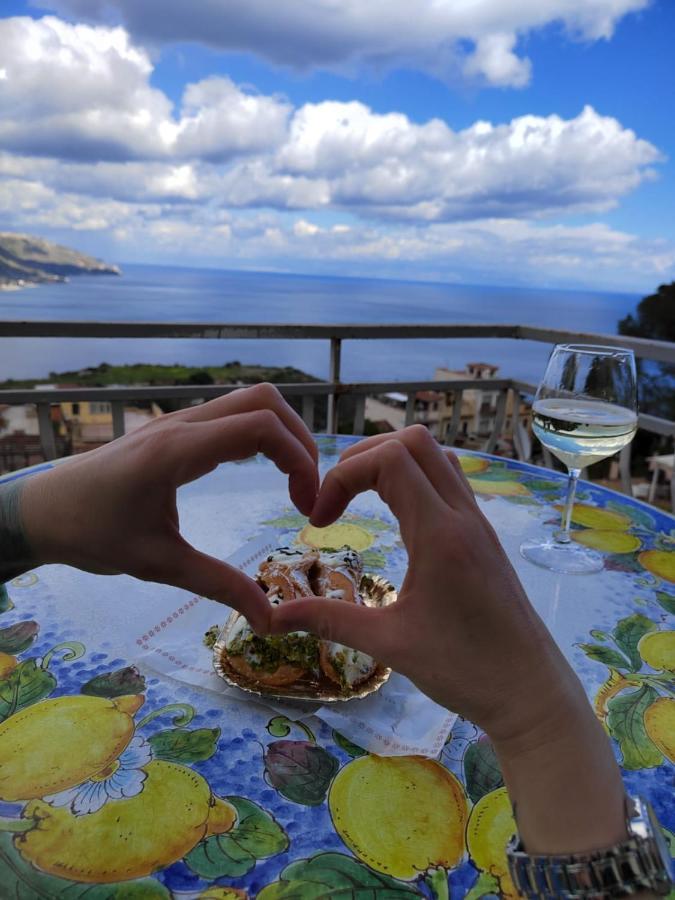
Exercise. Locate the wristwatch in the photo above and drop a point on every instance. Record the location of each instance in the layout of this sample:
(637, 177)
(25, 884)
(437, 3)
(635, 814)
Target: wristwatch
(640, 863)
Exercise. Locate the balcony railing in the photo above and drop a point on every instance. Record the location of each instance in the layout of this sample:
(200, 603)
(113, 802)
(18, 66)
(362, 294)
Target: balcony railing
(334, 388)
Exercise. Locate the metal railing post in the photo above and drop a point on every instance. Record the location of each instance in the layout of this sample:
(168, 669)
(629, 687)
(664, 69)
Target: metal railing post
(500, 415)
(410, 410)
(456, 418)
(117, 418)
(359, 414)
(308, 411)
(334, 377)
(47, 438)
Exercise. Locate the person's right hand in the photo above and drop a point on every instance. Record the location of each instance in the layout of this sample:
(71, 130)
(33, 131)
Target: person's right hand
(465, 633)
(462, 629)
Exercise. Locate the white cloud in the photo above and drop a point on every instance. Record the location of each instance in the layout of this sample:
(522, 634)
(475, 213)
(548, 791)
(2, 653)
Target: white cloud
(81, 92)
(232, 175)
(232, 147)
(430, 34)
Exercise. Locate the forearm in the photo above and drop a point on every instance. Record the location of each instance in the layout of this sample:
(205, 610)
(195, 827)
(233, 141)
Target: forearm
(16, 555)
(566, 787)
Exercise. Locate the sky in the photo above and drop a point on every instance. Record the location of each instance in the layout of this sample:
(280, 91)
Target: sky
(475, 141)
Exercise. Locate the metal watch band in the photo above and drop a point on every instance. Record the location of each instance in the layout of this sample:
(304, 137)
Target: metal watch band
(618, 872)
(642, 862)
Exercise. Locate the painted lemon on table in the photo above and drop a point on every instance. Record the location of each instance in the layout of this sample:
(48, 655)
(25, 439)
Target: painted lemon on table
(401, 815)
(660, 563)
(491, 826)
(598, 519)
(473, 465)
(340, 534)
(659, 721)
(128, 838)
(607, 540)
(657, 649)
(7, 664)
(499, 488)
(56, 744)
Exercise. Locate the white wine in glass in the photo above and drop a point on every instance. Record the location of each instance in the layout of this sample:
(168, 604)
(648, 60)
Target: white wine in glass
(585, 410)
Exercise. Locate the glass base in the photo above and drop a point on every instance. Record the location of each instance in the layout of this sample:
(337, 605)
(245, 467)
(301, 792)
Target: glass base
(567, 559)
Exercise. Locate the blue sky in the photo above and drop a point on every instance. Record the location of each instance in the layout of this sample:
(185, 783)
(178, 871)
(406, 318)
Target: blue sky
(455, 141)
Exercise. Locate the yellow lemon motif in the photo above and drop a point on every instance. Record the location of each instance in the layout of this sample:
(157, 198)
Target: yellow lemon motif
(222, 817)
(659, 722)
(56, 744)
(7, 664)
(472, 465)
(607, 541)
(339, 535)
(657, 649)
(598, 519)
(491, 826)
(499, 488)
(124, 839)
(660, 563)
(223, 893)
(401, 815)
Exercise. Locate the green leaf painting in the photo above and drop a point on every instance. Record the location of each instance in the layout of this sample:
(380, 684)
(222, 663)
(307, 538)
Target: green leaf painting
(300, 770)
(606, 655)
(352, 749)
(25, 685)
(486, 886)
(5, 603)
(19, 637)
(627, 634)
(28, 883)
(481, 770)
(666, 601)
(541, 484)
(625, 720)
(256, 836)
(115, 684)
(334, 875)
(180, 746)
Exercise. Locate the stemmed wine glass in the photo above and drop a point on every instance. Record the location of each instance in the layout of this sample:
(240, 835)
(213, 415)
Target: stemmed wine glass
(585, 410)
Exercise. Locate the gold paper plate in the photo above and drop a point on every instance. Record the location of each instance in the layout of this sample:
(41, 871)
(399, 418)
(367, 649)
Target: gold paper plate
(375, 591)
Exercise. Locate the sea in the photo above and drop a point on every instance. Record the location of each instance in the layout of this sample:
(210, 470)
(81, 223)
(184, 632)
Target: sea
(154, 293)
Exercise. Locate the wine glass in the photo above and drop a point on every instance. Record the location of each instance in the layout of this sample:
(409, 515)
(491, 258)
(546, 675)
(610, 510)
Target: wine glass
(585, 410)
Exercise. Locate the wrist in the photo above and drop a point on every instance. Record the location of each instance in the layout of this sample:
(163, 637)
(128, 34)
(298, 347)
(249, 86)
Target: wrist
(43, 520)
(16, 552)
(565, 784)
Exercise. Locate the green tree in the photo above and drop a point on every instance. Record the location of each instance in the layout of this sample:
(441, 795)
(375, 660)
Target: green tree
(655, 318)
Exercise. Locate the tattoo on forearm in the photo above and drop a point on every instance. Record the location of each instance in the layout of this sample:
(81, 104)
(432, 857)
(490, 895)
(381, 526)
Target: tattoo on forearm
(15, 552)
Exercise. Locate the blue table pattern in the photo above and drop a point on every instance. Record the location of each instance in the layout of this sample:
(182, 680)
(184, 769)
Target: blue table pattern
(117, 783)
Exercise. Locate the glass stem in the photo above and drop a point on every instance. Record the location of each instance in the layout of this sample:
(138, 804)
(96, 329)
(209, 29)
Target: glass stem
(562, 536)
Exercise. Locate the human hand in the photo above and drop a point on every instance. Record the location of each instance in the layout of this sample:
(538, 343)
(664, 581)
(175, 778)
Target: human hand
(465, 633)
(113, 510)
(463, 629)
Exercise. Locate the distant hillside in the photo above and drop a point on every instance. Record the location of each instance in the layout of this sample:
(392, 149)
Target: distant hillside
(30, 260)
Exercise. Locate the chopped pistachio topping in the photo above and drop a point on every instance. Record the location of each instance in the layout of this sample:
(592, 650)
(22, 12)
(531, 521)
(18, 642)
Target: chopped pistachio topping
(270, 652)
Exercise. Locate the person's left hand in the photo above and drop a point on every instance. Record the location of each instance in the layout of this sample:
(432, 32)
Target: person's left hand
(113, 510)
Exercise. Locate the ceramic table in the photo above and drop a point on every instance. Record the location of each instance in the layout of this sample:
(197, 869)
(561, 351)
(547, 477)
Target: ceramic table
(117, 781)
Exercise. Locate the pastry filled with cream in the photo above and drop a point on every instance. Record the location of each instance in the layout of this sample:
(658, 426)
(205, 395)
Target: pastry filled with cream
(337, 574)
(282, 660)
(286, 572)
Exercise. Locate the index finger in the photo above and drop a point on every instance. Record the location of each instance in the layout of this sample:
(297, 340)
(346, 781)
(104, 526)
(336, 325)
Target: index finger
(205, 444)
(250, 399)
(389, 469)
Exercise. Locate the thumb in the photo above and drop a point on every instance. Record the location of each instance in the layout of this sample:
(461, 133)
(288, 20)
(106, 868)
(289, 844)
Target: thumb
(360, 627)
(210, 577)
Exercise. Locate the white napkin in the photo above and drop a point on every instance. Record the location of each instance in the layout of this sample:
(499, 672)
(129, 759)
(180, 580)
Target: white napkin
(397, 720)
